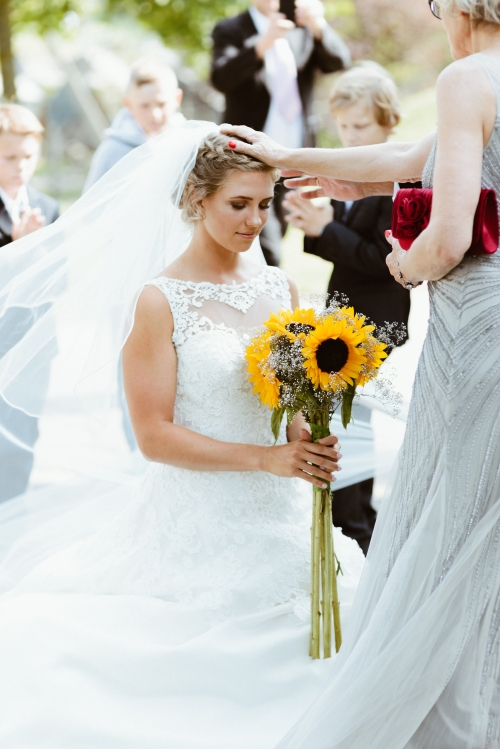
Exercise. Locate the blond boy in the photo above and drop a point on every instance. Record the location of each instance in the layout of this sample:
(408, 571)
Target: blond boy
(151, 102)
(365, 108)
(23, 209)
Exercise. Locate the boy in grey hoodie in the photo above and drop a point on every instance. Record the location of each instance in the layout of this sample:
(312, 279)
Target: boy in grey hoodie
(151, 102)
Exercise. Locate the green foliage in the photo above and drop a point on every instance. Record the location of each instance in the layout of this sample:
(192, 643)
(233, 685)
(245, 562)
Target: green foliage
(183, 24)
(348, 397)
(43, 15)
(276, 421)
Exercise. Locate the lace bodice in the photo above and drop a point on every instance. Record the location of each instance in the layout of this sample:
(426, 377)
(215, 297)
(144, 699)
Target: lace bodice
(212, 324)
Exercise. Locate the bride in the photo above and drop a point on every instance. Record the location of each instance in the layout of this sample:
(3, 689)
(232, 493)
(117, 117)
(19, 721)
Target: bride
(170, 610)
(420, 666)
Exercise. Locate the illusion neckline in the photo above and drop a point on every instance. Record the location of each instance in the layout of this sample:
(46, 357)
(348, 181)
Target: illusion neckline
(233, 285)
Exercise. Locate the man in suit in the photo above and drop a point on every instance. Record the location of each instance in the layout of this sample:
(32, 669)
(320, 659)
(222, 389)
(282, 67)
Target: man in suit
(23, 210)
(265, 64)
(365, 108)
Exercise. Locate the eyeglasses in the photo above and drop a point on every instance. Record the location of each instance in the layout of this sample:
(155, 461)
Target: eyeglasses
(435, 9)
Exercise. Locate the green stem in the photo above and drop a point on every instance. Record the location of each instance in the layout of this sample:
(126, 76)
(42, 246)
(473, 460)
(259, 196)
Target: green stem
(329, 573)
(316, 576)
(335, 595)
(324, 582)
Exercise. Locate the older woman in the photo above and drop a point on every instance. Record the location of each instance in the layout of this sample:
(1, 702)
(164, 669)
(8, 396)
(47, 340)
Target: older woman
(421, 665)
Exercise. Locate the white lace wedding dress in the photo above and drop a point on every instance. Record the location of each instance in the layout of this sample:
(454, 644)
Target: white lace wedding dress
(183, 621)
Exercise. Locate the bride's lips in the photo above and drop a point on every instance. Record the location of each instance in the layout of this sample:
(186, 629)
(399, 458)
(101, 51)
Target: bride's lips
(247, 236)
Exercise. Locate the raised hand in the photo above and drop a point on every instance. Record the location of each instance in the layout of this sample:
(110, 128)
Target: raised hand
(256, 144)
(278, 27)
(314, 462)
(31, 220)
(302, 214)
(310, 13)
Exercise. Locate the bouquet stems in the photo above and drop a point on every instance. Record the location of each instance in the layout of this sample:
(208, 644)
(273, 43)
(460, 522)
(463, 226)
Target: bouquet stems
(324, 594)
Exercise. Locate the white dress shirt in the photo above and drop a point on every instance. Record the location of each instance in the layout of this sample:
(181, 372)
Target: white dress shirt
(15, 207)
(285, 120)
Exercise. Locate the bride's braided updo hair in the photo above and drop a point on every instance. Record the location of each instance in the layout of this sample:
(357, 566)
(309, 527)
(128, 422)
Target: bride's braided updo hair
(214, 163)
(479, 10)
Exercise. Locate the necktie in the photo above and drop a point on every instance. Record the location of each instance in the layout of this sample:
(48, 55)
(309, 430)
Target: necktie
(282, 76)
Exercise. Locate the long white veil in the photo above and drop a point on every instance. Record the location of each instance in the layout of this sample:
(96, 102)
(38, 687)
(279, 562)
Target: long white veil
(67, 299)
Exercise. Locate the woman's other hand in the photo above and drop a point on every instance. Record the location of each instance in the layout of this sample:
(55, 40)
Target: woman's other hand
(314, 462)
(395, 258)
(336, 189)
(304, 215)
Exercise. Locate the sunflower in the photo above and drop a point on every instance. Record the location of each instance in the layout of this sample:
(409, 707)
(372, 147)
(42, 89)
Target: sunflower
(375, 355)
(294, 324)
(333, 356)
(357, 321)
(262, 376)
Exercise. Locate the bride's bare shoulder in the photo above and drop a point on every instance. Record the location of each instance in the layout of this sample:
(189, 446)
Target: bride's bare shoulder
(152, 309)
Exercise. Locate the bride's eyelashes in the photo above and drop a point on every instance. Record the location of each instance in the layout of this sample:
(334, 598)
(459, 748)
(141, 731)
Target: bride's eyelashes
(263, 206)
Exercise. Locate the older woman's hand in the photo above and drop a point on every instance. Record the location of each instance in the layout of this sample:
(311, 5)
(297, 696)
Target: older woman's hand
(256, 144)
(394, 261)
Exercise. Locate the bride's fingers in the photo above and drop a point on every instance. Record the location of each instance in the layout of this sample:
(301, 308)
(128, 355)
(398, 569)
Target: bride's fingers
(319, 451)
(313, 479)
(331, 440)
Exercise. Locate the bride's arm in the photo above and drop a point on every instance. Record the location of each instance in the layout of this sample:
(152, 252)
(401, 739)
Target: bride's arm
(379, 165)
(466, 117)
(150, 373)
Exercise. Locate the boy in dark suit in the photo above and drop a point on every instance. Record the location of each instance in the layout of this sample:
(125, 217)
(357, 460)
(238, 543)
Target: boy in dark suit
(266, 64)
(364, 105)
(23, 210)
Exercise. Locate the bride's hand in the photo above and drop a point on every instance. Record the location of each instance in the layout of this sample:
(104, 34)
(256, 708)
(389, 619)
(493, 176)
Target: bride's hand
(255, 144)
(315, 462)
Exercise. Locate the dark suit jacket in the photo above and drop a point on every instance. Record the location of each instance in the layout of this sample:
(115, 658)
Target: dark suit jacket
(48, 207)
(357, 248)
(239, 73)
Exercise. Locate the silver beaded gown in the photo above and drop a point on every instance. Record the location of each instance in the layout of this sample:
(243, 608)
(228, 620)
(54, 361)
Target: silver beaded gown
(420, 667)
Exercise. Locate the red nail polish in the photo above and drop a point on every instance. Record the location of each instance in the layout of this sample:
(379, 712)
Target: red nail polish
(387, 233)
(232, 144)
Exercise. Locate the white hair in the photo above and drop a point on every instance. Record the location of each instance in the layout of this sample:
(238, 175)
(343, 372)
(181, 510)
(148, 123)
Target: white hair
(478, 10)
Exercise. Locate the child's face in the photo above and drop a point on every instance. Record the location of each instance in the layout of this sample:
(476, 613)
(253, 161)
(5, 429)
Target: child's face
(152, 105)
(357, 125)
(18, 160)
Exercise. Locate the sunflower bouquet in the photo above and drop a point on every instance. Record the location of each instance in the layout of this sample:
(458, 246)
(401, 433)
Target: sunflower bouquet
(312, 362)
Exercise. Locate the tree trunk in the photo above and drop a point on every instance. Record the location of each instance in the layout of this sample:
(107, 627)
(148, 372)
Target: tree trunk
(6, 58)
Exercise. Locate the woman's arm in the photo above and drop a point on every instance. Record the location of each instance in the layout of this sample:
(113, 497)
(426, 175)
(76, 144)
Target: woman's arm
(466, 117)
(150, 371)
(384, 163)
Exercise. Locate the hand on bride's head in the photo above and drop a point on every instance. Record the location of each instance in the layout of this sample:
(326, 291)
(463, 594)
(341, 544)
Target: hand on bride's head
(256, 144)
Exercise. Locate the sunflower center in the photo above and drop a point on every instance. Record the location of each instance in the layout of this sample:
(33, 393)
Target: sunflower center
(299, 327)
(332, 355)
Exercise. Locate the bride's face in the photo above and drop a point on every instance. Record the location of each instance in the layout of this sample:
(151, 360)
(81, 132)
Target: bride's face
(236, 214)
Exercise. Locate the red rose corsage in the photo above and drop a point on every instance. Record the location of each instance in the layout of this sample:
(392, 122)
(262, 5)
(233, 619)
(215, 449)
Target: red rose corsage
(412, 212)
